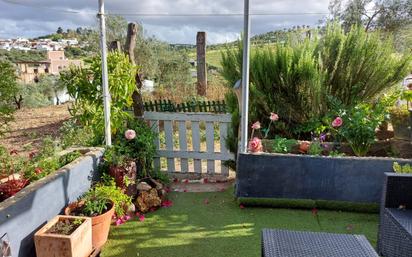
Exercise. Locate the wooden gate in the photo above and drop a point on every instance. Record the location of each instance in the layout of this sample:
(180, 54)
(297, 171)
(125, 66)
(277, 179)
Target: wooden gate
(191, 142)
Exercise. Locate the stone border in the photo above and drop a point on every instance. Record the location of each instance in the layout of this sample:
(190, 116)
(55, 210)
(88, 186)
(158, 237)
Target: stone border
(23, 214)
(290, 176)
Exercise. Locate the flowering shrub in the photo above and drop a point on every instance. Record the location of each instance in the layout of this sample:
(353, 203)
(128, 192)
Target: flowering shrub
(134, 143)
(358, 125)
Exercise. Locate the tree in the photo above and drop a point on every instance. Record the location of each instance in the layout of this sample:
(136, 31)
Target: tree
(59, 30)
(8, 89)
(388, 15)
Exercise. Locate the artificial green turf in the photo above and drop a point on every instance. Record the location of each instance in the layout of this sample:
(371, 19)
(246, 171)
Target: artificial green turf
(219, 228)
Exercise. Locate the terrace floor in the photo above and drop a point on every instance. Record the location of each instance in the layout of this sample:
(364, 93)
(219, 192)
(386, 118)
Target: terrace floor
(213, 224)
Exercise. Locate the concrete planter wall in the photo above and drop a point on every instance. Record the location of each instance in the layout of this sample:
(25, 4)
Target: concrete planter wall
(26, 212)
(346, 179)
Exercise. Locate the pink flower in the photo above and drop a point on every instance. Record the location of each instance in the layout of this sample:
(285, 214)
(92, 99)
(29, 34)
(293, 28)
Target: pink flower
(126, 217)
(255, 145)
(130, 134)
(314, 211)
(256, 125)
(241, 206)
(141, 217)
(337, 122)
(274, 116)
(167, 204)
(119, 222)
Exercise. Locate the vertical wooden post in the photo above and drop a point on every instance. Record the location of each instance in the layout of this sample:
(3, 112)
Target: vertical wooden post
(201, 63)
(115, 46)
(138, 108)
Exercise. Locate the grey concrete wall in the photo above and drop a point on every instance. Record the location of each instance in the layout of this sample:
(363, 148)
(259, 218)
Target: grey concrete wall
(348, 179)
(23, 214)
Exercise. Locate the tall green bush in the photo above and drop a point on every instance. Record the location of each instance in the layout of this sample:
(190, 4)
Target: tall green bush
(359, 65)
(298, 80)
(84, 85)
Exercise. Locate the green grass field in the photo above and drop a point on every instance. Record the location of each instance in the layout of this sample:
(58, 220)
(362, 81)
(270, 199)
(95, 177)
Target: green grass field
(213, 225)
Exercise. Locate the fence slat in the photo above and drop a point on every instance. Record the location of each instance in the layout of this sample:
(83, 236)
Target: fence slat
(196, 145)
(223, 129)
(169, 144)
(183, 146)
(188, 116)
(154, 124)
(210, 146)
(196, 155)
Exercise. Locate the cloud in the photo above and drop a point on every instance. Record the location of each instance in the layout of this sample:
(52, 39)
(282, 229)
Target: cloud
(31, 18)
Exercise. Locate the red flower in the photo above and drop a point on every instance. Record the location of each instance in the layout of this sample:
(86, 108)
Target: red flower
(185, 190)
(141, 217)
(167, 204)
(38, 170)
(32, 154)
(314, 211)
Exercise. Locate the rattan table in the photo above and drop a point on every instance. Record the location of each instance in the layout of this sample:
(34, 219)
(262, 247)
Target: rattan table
(284, 243)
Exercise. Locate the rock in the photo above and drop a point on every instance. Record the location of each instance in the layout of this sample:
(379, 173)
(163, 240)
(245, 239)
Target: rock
(143, 186)
(153, 183)
(131, 209)
(148, 200)
(403, 148)
(158, 185)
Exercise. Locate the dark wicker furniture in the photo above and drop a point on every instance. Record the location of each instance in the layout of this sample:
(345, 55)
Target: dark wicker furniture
(395, 227)
(283, 243)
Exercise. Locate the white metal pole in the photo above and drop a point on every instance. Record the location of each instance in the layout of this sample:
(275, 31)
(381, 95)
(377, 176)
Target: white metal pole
(245, 79)
(105, 78)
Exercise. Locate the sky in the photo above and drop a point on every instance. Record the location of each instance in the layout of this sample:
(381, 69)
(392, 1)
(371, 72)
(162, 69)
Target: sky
(31, 18)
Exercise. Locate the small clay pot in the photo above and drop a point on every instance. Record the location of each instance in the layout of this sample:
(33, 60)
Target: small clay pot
(100, 224)
(304, 147)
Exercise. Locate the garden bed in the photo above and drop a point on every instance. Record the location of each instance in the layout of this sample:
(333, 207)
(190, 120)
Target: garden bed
(24, 213)
(301, 181)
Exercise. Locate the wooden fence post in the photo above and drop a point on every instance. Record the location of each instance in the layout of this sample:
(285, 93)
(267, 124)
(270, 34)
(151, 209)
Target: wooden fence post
(138, 108)
(115, 46)
(201, 63)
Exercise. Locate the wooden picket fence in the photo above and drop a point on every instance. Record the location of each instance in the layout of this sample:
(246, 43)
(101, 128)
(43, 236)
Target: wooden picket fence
(163, 122)
(190, 106)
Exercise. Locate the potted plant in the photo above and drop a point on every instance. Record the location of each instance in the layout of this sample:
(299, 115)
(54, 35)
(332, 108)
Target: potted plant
(65, 236)
(100, 209)
(102, 203)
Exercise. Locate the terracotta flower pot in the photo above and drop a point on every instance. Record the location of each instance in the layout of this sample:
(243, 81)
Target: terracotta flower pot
(304, 147)
(100, 224)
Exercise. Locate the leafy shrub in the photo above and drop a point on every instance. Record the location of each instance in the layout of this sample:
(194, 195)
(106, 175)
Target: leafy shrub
(84, 85)
(283, 145)
(8, 89)
(74, 134)
(407, 168)
(315, 148)
(359, 125)
(141, 148)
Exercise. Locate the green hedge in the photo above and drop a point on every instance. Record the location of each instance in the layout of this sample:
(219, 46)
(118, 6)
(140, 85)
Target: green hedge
(309, 204)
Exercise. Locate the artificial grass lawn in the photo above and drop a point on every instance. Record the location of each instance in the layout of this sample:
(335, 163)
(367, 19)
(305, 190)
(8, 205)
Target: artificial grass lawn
(212, 224)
